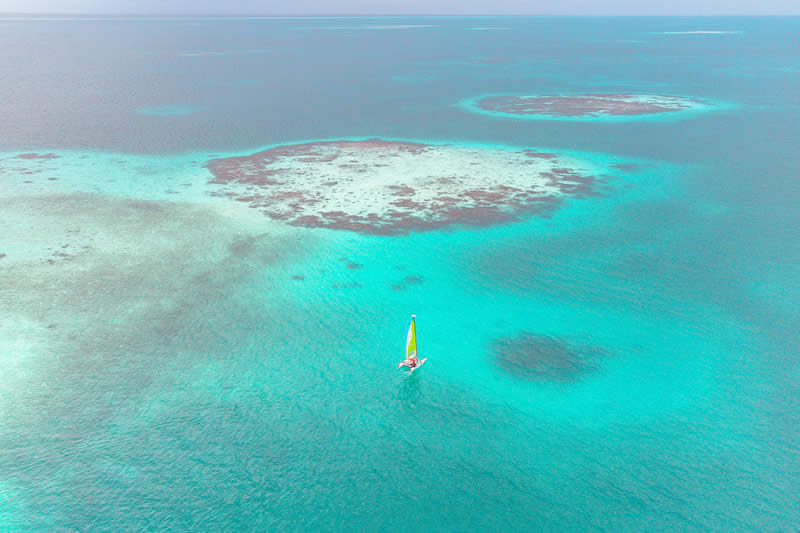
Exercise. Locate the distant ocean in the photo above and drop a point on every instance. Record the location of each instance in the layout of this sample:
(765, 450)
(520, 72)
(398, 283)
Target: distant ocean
(204, 291)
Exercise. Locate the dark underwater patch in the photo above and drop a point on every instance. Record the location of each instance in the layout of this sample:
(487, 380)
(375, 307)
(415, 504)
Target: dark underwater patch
(37, 156)
(543, 358)
(242, 247)
(408, 280)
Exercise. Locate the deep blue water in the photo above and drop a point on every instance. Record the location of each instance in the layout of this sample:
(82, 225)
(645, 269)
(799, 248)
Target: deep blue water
(179, 380)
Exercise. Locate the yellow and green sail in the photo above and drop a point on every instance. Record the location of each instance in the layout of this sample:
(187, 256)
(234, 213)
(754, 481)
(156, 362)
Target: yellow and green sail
(411, 339)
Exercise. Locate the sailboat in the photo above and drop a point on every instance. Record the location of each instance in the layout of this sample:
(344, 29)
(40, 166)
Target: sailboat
(412, 361)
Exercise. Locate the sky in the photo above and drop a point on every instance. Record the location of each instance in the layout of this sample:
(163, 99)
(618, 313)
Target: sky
(389, 7)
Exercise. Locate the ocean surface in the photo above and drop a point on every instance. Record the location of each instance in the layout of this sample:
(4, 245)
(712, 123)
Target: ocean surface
(174, 359)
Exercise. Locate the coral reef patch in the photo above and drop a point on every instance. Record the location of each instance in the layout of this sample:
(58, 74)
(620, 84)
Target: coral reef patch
(389, 187)
(590, 106)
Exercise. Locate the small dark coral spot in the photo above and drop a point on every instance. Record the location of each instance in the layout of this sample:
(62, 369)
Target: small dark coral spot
(408, 280)
(37, 156)
(625, 167)
(298, 277)
(354, 266)
(243, 247)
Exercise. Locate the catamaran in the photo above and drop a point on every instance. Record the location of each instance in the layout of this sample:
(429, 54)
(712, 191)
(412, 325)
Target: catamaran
(411, 360)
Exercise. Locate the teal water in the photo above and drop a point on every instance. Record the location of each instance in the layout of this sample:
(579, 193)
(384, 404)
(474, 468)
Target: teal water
(172, 373)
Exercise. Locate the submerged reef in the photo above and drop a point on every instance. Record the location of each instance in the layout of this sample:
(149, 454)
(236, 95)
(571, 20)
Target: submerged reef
(34, 155)
(542, 358)
(408, 281)
(21, 167)
(388, 187)
(583, 106)
(148, 293)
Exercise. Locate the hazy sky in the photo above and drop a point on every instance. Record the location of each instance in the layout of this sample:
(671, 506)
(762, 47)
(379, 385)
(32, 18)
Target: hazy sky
(310, 7)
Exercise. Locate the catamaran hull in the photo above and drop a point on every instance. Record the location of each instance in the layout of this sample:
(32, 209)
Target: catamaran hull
(421, 362)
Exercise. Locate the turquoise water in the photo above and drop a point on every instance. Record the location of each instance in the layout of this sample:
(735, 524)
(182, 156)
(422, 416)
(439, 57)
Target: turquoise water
(171, 371)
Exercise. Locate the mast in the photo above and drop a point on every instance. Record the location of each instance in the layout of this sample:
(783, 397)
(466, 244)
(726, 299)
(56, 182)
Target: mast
(414, 325)
(411, 337)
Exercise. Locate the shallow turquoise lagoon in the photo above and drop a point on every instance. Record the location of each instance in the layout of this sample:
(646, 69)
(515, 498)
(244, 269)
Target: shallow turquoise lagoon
(174, 359)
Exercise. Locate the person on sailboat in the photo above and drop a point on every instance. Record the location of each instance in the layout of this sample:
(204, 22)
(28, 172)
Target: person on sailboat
(411, 361)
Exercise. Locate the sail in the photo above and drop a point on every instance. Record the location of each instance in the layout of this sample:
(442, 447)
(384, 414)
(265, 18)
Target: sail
(411, 338)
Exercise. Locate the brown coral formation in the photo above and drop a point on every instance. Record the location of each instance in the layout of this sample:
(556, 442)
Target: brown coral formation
(585, 104)
(386, 187)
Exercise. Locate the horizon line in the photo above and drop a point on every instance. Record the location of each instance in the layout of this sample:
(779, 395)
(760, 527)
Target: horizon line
(380, 15)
